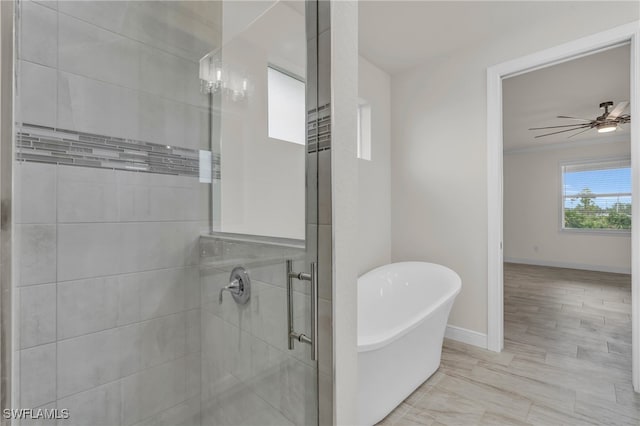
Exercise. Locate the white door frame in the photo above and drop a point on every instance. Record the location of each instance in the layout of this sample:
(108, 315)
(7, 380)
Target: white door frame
(629, 33)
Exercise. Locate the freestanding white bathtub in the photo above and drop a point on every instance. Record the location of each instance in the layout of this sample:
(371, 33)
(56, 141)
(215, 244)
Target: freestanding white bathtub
(402, 315)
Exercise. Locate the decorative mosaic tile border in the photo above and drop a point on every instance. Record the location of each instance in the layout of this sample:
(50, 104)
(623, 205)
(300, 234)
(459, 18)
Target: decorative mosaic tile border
(319, 129)
(58, 146)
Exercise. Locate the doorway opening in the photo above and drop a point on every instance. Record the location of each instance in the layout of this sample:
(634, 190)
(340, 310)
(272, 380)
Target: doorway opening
(624, 37)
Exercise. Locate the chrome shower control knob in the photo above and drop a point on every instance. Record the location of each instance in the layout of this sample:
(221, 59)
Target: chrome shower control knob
(239, 286)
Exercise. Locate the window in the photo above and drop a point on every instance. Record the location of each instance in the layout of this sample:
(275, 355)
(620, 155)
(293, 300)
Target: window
(597, 195)
(286, 107)
(364, 131)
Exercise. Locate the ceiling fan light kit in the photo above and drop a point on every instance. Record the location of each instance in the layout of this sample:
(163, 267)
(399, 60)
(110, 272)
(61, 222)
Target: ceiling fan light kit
(607, 122)
(607, 127)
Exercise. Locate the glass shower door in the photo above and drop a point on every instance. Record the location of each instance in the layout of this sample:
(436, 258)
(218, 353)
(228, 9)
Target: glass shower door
(252, 371)
(163, 181)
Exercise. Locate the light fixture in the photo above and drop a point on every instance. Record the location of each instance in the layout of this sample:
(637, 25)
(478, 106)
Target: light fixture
(216, 77)
(607, 127)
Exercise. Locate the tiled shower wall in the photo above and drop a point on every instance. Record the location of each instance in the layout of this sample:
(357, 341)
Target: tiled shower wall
(109, 318)
(123, 69)
(253, 378)
(108, 321)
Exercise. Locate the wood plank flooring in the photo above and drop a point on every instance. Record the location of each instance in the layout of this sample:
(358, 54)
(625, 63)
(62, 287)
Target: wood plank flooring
(566, 361)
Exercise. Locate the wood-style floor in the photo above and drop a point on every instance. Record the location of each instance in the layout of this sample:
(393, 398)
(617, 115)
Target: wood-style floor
(566, 361)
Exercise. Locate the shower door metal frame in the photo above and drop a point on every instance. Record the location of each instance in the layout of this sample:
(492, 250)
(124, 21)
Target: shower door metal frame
(6, 215)
(318, 22)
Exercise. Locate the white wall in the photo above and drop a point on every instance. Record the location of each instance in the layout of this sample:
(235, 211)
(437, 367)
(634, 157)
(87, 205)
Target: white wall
(374, 180)
(344, 193)
(532, 233)
(439, 150)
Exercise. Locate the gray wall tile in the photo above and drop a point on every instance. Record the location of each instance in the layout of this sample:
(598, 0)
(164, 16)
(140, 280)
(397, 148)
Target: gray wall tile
(162, 339)
(99, 406)
(88, 361)
(51, 4)
(104, 55)
(193, 365)
(286, 386)
(156, 245)
(38, 34)
(87, 306)
(161, 292)
(37, 254)
(193, 331)
(35, 192)
(192, 288)
(240, 405)
(161, 25)
(89, 250)
(269, 314)
(158, 203)
(37, 315)
(152, 391)
(37, 375)
(93, 52)
(128, 300)
(150, 343)
(38, 95)
(91, 106)
(86, 195)
(215, 371)
(130, 343)
(186, 413)
(100, 13)
(170, 76)
(166, 121)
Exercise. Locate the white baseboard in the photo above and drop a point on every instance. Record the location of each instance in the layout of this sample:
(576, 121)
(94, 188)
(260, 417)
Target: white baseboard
(464, 335)
(570, 265)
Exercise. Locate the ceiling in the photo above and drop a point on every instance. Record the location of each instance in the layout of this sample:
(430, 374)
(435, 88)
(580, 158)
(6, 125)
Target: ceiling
(574, 88)
(398, 35)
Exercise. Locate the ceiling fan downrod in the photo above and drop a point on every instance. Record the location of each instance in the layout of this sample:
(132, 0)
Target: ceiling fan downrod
(606, 106)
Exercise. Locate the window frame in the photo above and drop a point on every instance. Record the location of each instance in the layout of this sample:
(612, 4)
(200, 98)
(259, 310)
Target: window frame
(588, 162)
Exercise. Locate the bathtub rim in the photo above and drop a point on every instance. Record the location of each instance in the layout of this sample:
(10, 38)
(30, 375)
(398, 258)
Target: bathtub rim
(380, 340)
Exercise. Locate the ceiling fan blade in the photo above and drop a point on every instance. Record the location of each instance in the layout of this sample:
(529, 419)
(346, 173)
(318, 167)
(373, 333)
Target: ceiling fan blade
(563, 131)
(576, 134)
(574, 118)
(617, 110)
(556, 127)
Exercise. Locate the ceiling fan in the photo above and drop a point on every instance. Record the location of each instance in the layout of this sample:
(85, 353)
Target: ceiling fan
(607, 122)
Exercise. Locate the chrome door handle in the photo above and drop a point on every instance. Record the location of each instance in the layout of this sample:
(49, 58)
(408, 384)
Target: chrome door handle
(312, 277)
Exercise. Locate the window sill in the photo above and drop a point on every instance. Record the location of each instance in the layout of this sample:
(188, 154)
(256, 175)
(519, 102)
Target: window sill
(601, 232)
